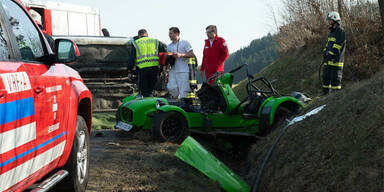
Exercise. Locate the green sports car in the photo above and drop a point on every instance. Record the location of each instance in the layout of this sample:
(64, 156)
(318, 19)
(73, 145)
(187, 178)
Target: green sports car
(216, 111)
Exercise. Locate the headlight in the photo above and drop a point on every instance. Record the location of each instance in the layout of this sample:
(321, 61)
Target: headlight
(159, 103)
(127, 114)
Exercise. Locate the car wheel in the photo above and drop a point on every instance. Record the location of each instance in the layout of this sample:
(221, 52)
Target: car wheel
(170, 126)
(78, 161)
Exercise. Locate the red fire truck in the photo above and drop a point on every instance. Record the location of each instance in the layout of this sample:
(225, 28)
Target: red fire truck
(45, 108)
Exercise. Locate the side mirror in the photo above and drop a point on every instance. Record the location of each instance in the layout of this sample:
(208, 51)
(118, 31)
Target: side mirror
(66, 51)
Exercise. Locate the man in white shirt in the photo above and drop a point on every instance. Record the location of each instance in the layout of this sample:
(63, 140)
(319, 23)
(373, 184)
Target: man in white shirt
(178, 79)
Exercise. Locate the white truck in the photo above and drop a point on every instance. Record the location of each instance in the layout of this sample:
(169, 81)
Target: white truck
(59, 18)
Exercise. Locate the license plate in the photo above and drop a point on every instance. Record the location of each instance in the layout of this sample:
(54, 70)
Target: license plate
(123, 126)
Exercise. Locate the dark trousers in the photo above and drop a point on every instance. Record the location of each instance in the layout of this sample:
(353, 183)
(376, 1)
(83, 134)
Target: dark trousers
(147, 78)
(332, 76)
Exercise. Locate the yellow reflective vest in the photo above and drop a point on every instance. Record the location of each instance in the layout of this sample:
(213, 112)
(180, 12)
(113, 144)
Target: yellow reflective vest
(147, 52)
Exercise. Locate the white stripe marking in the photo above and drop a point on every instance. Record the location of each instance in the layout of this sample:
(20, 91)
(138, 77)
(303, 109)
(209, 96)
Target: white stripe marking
(17, 137)
(17, 174)
(54, 107)
(53, 127)
(53, 89)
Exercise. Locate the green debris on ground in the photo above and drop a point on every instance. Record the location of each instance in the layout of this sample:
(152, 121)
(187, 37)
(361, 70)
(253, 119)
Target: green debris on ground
(195, 155)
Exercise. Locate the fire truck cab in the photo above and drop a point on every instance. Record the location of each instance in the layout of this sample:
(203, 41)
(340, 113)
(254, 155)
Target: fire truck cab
(58, 18)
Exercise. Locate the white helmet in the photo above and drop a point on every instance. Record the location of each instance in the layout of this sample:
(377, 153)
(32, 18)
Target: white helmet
(333, 15)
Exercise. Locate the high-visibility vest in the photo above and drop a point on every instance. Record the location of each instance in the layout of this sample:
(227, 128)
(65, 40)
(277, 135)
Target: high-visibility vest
(147, 52)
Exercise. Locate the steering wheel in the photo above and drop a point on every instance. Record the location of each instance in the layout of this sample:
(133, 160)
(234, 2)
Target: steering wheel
(252, 89)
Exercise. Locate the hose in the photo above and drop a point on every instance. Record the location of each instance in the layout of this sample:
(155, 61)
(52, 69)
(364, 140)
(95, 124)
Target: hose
(260, 173)
(320, 74)
(290, 122)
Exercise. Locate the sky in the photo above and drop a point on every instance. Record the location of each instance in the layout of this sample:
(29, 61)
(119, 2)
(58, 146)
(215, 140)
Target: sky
(238, 21)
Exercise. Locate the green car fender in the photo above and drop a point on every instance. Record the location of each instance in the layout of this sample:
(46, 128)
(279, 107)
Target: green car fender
(129, 98)
(269, 108)
(168, 108)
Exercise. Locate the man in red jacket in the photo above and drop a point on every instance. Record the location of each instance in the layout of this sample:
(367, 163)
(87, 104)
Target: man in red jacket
(214, 55)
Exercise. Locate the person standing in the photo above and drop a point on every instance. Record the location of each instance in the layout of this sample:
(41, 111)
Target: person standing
(178, 79)
(333, 54)
(214, 54)
(145, 57)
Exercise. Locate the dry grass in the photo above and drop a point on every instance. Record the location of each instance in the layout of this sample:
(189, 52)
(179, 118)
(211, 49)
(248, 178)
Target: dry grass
(340, 149)
(305, 25)
(132, 162)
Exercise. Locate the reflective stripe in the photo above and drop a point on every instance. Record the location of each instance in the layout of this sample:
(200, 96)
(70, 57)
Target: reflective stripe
(331, 39)
(143, 56)
(30, 166)
(339, 64)
(193, 81)
(191, 61)
(137, 48)
(191, 95)
(337, 46)
(17, 137)
(326, 86)
(330, 52)
(148, 63)
(336, 87)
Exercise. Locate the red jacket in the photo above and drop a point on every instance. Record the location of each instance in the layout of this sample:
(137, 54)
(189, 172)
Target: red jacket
(214, 57)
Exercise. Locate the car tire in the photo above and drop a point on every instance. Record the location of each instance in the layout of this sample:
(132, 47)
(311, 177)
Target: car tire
(170, 127)
(78, 162)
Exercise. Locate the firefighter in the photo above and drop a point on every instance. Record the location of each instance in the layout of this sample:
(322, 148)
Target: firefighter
(333, 54)
(145, 57)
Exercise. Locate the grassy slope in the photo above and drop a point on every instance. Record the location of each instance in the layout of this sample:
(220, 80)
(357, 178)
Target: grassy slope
(340, 149)
(294, 71)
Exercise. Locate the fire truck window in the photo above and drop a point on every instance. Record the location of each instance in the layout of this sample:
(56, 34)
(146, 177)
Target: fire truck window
(4, 52)
(27, 36)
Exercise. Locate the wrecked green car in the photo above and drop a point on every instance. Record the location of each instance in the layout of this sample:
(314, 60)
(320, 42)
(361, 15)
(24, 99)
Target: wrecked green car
(216, 111)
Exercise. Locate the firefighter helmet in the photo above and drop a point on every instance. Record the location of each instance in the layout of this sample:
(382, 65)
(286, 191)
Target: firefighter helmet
(333, 15)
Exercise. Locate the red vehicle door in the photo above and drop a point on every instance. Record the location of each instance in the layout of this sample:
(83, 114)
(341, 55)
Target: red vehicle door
(39, 89)
(17, 115)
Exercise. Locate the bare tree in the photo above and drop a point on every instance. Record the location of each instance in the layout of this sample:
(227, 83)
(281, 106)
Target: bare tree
(340, 4)
(381, 4)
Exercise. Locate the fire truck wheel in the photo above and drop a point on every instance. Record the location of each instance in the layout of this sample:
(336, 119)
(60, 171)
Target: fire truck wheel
(78, 161)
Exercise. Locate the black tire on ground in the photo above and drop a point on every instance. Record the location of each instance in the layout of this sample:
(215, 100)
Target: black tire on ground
(170, 126)
(78, 161)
